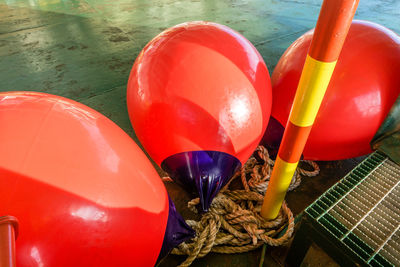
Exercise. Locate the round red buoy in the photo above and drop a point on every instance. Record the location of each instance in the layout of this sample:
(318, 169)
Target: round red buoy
(82, 190)
(364, 86)
(199, 99)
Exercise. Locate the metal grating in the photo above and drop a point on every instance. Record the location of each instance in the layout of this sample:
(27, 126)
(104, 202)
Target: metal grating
(362, 211)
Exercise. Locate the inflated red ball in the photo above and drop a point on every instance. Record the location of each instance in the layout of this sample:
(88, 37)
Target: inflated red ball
(364, 86)
(199, 86)
(83, 191)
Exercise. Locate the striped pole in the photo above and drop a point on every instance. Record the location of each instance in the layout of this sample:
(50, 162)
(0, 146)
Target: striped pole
(332, 26)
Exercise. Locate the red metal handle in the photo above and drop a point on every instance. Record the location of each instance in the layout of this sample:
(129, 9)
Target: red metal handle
(8, 234)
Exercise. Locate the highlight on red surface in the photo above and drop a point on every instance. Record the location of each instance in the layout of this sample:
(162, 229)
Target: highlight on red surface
(364, 86)
(82, 190)
(199, 86)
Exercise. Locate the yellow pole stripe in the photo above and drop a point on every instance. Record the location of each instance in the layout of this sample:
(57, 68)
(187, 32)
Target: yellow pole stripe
(314, 80)
(281, 177)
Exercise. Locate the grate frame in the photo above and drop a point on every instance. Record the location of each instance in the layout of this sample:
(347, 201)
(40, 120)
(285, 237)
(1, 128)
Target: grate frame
(344, 220)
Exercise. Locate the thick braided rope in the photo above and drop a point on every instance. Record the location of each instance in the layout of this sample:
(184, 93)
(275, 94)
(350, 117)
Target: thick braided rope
(233, 223)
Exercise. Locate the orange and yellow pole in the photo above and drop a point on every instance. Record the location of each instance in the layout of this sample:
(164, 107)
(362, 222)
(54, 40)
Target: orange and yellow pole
(332, 26)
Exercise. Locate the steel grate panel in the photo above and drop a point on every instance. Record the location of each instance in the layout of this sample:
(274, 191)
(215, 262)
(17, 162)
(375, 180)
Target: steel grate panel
(363, 211)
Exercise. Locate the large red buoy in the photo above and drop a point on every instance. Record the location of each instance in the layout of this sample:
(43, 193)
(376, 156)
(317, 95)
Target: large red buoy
(364, 86)
(82, 190)
(199, 99)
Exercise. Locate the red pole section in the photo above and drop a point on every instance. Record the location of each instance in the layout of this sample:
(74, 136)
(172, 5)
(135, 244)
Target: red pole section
(332, 27)
(8, 234)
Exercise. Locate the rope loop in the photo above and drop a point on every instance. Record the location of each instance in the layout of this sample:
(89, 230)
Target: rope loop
(233, 223)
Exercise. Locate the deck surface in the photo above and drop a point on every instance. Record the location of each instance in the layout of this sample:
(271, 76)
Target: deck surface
(84, 50)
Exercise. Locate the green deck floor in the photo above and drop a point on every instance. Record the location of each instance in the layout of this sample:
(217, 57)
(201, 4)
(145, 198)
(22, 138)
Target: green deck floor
(84, 50)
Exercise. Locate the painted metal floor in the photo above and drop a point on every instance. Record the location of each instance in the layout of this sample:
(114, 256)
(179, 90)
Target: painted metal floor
(84, 50)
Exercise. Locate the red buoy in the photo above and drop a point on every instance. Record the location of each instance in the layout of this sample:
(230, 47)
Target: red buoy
(364, 86)
(199, 99)
(83, 192)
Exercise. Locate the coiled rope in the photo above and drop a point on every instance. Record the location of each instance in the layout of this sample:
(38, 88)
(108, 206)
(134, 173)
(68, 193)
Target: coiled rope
(233, 223)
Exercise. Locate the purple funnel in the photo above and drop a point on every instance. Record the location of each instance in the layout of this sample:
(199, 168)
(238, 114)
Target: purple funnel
(272, 137)
(177, 231)
(203, 173)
